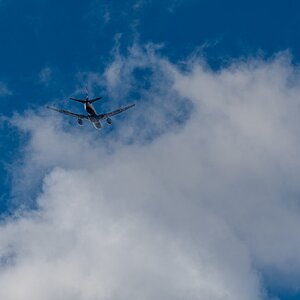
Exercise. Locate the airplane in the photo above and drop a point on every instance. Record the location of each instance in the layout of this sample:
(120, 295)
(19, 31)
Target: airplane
(92, 115)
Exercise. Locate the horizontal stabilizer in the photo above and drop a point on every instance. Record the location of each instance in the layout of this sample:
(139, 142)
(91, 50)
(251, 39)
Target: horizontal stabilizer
(95, 99)
(78, 100)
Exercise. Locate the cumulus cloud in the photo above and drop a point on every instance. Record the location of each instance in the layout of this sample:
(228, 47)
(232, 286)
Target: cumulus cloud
(201, 205)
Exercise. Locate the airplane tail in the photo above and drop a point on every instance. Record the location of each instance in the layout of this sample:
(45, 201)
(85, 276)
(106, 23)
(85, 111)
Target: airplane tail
(87, 98)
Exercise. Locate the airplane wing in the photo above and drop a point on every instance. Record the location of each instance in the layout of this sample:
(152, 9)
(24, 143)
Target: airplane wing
(68, 113)
(115, 112)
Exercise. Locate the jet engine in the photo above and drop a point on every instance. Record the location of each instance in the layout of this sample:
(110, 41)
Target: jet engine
(79, 121)
(109, 121)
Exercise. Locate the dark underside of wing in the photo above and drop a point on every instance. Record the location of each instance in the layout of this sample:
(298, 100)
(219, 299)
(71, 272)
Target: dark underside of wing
(66, 112)
(115, 112)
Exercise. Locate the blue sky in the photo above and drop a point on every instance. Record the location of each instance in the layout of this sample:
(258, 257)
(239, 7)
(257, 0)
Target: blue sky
(46, 45)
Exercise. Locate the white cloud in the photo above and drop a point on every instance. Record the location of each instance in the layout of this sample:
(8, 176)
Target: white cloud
(202, 211)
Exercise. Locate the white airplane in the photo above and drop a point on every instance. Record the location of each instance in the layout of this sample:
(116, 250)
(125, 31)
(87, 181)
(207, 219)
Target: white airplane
(92, 115)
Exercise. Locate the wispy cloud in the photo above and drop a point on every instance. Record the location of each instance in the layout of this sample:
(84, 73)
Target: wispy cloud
(106, 16)
(45, 75)
(201, 211)
(4, 90)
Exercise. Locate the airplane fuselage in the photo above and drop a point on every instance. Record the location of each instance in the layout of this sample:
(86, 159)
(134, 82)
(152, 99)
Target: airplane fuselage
(92, 114)
(90, 109)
